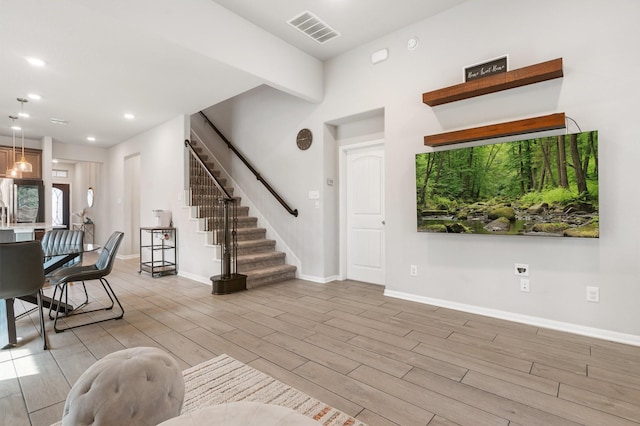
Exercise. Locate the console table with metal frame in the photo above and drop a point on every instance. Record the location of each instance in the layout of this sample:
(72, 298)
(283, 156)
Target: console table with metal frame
(158, 250)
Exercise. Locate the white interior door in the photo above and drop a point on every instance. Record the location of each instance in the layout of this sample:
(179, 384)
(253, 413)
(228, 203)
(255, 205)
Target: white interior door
(365, 214)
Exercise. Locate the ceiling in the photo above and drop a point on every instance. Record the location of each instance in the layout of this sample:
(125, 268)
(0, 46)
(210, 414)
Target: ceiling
(98, 68)
(357, 21)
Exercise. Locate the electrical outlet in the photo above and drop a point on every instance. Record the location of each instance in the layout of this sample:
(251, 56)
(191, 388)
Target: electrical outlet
(413, 271)
(593, 294)
(521, 269)
(524, 285)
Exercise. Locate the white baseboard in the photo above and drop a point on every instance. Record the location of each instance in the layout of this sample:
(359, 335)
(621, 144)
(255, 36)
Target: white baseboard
(127, 256)
(321, 280)
(597, 333)
(194, 277)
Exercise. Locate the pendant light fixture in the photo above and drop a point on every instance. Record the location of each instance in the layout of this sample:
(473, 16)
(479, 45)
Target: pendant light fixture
(23, 165)
(13, 172)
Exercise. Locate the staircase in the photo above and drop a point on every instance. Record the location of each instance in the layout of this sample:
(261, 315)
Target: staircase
(257, 257)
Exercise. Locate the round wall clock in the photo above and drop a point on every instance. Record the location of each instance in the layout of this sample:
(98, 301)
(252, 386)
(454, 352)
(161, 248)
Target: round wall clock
(304, 139)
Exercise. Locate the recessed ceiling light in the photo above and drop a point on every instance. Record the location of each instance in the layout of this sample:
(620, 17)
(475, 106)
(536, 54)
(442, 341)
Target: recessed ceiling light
(14, 127)
(129, 116)
(59, 121)
(36, 62)
(34, 96)
(91, 138)
(23, 115)
(54, 161)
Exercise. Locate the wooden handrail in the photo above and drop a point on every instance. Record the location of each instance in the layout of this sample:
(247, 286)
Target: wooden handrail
(204, 166)
(273, 192)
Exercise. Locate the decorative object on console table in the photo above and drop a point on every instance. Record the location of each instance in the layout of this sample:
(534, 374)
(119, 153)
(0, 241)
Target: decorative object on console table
(158, 250)
(88, 228)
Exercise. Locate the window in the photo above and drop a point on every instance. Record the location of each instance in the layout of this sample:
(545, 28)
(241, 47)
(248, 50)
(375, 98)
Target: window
(60, 173)
(56, 204)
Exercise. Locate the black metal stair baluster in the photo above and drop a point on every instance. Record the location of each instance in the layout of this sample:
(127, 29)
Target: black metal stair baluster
(218, 208)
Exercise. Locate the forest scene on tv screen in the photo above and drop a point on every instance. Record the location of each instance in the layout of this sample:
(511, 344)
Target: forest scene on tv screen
(541, 187)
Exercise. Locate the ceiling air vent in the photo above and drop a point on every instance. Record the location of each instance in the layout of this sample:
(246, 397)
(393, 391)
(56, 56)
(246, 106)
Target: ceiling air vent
(313, 27)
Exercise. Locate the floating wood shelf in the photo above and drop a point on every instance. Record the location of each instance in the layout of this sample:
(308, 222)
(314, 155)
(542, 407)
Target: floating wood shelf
(495, 83)
(518, 127)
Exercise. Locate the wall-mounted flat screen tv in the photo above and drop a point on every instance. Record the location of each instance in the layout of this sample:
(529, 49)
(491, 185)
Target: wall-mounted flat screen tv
(535, 187)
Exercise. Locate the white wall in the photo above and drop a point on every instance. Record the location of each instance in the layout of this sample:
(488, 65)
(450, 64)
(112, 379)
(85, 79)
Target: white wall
(161, 151)
(75, 152)
(477, 271)
(86, 165)
(161, 169)
(90, 174)
(472, 272)
(263, 124)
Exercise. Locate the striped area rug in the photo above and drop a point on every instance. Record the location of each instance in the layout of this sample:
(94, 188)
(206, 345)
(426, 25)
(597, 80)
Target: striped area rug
(224, 379)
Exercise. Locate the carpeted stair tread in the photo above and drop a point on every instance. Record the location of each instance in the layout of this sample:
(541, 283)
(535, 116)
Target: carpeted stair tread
(256, 243)
(255, 246)
(243, 211)
(247, 222)
(259, 256)
(248, 262)
(262, 276)
(245, 234)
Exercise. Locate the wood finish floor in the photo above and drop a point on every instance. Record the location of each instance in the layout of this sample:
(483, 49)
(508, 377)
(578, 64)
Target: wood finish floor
(385, 361)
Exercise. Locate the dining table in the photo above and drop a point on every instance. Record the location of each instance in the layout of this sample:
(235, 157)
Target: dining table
(54, 258)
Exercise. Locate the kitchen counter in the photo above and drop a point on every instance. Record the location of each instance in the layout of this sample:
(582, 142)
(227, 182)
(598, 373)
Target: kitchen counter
(18, 227)
(26, 231)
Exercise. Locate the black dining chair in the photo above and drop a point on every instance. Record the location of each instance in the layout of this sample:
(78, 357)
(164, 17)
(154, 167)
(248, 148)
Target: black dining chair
(84, 273)
(22, 274)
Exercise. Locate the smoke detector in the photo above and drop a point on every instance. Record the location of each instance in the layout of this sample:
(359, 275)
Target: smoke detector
(313, 27)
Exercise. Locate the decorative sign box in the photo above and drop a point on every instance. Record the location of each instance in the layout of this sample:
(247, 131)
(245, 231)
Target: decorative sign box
(485, 69)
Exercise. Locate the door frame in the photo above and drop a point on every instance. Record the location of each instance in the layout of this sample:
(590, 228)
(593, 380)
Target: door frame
(343, 150)
(66, 205)
(132, 165)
